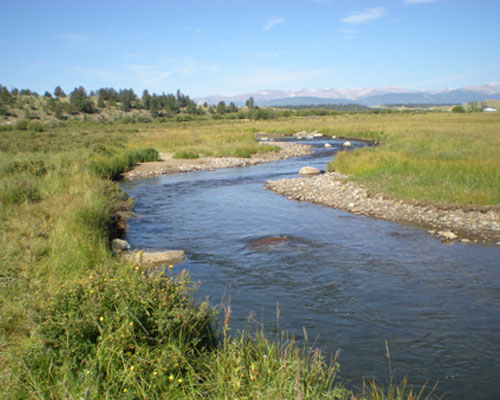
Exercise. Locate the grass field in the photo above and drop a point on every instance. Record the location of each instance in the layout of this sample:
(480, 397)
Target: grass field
(436, 157)
(75, 322)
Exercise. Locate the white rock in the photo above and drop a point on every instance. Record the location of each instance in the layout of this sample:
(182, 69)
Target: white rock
(334, 137)
(347, 144)
(328, 145)
(119, 244)
(447, 235)
(309, 171)
(160, 257)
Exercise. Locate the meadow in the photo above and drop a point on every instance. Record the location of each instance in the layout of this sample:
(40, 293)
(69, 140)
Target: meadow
(76, 322)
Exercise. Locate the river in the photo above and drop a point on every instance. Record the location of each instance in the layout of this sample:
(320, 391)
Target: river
(350, 281)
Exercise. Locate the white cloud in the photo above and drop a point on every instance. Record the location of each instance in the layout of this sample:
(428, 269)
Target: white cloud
(449, 79)
(107, 73)
(364, 16)
(72, 36)
(273, 22)
(192, 28)
(149, 74)
(273, 77)
(418, 1)
(348, 33)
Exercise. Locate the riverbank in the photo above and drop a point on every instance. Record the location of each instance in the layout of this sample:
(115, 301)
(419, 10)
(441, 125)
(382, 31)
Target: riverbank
(478, 224)
(169, 165)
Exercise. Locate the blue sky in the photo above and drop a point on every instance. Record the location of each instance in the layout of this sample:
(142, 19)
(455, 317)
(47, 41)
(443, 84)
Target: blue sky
(233, 47)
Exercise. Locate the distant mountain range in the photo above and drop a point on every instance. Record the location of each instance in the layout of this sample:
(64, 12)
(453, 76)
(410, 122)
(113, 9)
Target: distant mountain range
(367, 96)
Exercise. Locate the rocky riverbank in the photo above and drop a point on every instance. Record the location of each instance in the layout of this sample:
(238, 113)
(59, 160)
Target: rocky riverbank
(448, 223)
(168, 165)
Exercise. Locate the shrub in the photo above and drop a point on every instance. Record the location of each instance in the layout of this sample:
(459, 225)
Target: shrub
(22, 124)
(120, 331)
(458, 109)
(186, 154)
(36, 126)
(4, 128)
(30, 166)
(112, 167)
(19, 189)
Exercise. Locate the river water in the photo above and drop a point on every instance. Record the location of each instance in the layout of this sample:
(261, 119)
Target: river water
(350, 282)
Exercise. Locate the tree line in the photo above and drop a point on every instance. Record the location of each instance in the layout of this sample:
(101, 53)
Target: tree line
(81, 101)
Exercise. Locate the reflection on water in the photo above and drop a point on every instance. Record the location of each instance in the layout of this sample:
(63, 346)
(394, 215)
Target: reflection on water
(351, 281)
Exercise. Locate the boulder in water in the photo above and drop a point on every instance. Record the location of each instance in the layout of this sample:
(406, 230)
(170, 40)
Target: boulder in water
(309, 171)
(347, 144)
(328, 145)
(160, 257)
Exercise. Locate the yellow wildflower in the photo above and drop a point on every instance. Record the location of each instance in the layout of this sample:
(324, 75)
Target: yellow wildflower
(170, 266)
(101, 319)
(171, 378)
(179, 380)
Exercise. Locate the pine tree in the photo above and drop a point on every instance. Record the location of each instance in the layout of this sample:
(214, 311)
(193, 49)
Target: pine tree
(58, 92)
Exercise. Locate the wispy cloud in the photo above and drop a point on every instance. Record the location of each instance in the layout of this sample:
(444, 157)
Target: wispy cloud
(272, 23)
(273, 77)
(418, 1)
(348, 33)
(149, 74)
(108, 73)
(364, 16)
(268, 55)
(449, 79)
(192, 29)
(72, 36)
(137, 55)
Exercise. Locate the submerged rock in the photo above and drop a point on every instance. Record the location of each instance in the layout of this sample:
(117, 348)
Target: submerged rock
(309, 171)
(160, 257)
(268, 241)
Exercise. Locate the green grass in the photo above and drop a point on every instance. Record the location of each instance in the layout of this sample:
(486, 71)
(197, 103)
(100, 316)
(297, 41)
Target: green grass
(442, 158)
(76, 322)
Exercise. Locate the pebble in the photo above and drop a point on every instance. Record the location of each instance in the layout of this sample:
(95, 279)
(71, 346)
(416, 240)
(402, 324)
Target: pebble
(287, 150)
(332, 189)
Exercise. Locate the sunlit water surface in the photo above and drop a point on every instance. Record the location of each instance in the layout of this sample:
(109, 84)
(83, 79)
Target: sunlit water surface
(352, 282)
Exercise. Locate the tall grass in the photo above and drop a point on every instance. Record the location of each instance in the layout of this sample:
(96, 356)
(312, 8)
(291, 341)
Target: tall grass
(452, 159)
(75, 322)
